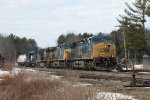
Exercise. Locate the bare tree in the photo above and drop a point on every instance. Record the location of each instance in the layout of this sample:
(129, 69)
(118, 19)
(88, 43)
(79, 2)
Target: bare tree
(7, 49)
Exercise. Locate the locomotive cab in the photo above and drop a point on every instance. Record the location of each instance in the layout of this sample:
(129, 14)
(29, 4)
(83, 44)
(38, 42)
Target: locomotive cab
(61, 54)
(104, 51)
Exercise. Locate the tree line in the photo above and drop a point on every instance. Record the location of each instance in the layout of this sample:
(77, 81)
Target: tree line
(74, 37)
(12, 46)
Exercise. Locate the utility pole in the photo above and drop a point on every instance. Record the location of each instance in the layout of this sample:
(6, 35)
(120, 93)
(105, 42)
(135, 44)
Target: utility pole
(125, 49)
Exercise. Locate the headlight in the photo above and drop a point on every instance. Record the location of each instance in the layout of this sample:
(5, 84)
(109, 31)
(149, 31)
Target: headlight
(105, 45)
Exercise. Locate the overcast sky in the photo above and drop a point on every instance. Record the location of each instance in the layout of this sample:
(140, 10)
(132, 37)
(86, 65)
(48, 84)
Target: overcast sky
(45, 20)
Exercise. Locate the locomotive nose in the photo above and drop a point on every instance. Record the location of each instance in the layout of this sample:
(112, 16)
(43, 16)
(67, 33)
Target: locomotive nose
(106, 49)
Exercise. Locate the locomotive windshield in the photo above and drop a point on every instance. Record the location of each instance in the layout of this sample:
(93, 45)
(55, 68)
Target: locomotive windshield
(98, 39)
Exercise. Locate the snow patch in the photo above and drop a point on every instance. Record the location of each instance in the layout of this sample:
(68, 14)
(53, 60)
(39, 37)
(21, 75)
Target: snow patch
(31, 70)
(82, 84)
(138, 66)
(54, 77)
(15, 71)
(112, 96)
(115, 70)
(4, 73)
(126, 69)
(144, 72)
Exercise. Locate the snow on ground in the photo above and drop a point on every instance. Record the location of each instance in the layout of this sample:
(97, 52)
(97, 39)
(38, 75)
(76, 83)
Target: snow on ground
(30, 70)
(140, 66)
(54, 77)
(3, 73)
(79, 84)
(112, 96)
(14, 71)
(144, 72)
(126, 69)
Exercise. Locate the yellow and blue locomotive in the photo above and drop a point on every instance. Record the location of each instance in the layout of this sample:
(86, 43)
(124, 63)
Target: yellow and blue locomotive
(95, 52)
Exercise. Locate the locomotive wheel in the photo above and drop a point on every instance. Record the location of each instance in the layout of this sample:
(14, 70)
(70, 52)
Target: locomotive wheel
(50, 64)
(62, 64)
(69, 64)
(88, 65)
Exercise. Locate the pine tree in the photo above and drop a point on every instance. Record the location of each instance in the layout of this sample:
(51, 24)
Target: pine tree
(117, 38)
(133, 25)
(137, 15)
(61, 39)
(148, 8)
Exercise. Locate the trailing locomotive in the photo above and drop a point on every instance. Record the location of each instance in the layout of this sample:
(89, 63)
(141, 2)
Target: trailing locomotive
(96, 52)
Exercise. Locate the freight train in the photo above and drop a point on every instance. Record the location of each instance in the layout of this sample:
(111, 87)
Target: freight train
(96, 52)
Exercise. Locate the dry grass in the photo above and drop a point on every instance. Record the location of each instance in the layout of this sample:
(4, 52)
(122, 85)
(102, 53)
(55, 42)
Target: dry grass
(38, 86)
(8, 66)
(21, 87)
(70, 76)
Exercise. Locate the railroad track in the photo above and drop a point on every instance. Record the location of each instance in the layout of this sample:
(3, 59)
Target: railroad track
(141, 78)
